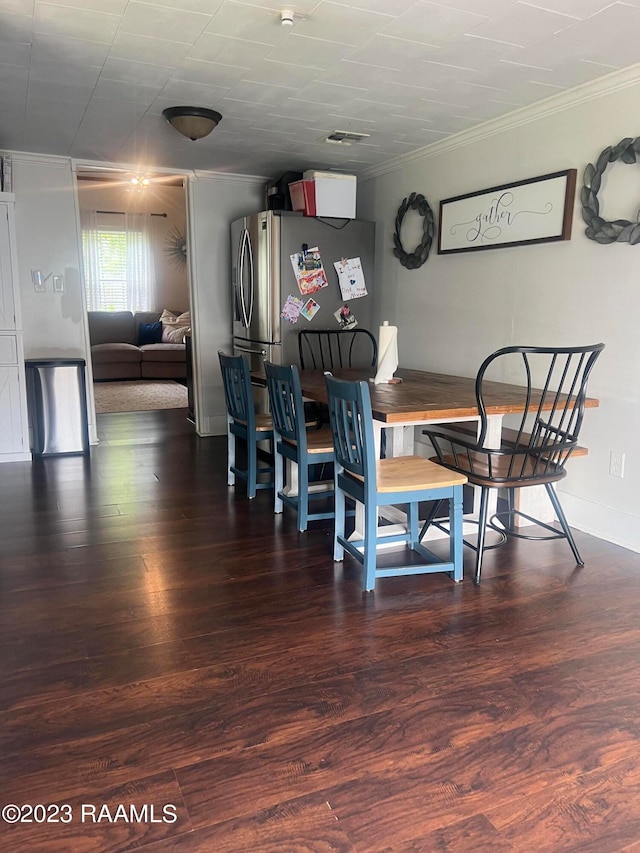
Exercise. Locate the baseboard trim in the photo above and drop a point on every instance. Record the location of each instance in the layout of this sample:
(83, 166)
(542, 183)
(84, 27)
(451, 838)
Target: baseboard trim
(604, 522)
(214, 425)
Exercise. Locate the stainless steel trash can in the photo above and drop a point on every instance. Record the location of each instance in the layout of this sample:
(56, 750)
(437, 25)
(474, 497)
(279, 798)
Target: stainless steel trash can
(57, 405)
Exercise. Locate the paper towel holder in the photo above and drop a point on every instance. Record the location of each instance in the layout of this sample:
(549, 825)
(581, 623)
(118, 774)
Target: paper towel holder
(392, 380)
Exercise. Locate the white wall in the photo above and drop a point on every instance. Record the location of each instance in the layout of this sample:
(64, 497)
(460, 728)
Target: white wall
(46, 237)
(456, 309)
(47, 240)
(213, 203)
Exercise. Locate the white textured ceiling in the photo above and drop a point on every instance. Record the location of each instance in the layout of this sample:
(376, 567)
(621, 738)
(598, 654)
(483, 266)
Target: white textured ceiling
(90, 78)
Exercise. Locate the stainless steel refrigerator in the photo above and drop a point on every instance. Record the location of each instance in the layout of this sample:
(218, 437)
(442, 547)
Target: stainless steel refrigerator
(263, 277)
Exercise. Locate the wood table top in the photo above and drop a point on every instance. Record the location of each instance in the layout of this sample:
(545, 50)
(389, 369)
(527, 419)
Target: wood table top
(424, 396)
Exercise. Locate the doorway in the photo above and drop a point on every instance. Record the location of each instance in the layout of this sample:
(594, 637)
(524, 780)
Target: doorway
(136, 287)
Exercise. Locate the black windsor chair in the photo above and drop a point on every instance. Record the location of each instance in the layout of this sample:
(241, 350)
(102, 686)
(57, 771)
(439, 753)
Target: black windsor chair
(536, 450)
(329, 349)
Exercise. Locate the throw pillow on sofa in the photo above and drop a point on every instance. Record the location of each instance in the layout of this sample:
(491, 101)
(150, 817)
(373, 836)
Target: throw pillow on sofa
(149, 333)
(174, 328)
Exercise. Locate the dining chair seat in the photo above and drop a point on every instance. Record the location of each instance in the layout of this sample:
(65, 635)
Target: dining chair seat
(374, 483)
(245, 424)
(263, 422)
(318, 440)
(510, 469)
(409, 472)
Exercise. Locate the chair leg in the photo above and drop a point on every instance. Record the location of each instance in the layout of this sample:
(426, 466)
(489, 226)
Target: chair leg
(303, 496)
(252, 467)
(412, 525)
(511, 506)
(482, 529)
(370, 545)
(433, 512)
(231, 457)
(278, 474)
(563, 522)
(339, 521)
(456, 545)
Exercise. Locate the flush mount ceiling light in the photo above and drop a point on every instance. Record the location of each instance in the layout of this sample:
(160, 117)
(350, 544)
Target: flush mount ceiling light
(140, 182)
(192, 122)
(346, 137)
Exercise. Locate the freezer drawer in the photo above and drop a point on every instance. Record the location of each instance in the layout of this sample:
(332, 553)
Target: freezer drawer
(56, 402)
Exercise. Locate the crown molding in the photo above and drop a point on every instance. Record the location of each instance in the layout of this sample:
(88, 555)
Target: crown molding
(80, 163)
(610, 83)
(48, 159)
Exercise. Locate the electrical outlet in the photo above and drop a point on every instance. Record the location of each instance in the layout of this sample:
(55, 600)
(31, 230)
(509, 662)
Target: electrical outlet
(616, 464)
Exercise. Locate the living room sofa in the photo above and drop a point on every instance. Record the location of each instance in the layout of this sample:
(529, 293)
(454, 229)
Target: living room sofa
(117, 354)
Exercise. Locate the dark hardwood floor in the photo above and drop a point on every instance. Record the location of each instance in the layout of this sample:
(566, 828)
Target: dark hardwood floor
(182, 671)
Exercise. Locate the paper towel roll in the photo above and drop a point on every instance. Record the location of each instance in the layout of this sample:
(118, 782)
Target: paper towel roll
(387, 353)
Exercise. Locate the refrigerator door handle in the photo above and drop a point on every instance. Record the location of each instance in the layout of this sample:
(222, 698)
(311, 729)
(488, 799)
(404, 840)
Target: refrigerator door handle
(246, 293)
(251, 279)
(237, 282)
(244, 238)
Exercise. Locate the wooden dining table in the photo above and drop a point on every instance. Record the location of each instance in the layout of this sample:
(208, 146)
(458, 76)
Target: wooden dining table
(422, 398)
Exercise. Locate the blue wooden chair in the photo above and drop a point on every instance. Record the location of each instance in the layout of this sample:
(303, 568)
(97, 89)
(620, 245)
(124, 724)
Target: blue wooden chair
(380, 482)
(294, 442)
(244, 423)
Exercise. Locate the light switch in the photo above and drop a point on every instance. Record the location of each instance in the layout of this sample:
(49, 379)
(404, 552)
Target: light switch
(58, 284)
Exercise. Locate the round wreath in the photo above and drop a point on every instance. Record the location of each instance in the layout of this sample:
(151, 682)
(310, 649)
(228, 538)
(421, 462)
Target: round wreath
(415, 259)
(598, 229)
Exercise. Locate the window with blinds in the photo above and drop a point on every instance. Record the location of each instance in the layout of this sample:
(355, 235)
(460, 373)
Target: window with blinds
(118, 267)
(110, 283)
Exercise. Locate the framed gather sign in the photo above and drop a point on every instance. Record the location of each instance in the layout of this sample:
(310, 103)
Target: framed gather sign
(537, 210)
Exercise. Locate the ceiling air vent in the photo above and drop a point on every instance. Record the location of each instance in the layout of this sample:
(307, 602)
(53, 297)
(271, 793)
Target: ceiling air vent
(345, 137)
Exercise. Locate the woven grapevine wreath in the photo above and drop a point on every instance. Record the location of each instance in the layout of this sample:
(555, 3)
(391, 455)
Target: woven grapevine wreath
(598, 229)
(415, 259)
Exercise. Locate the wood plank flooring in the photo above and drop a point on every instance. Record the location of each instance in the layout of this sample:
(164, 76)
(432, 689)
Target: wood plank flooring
(182, 671)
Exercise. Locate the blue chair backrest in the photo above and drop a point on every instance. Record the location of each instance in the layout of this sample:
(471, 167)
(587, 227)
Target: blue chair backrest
(352, 427)
(285, 399)
(236, 379)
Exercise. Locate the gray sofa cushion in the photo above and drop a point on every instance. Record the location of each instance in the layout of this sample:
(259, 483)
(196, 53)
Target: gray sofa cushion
(110, 327)
(163, 352)
(115, 354)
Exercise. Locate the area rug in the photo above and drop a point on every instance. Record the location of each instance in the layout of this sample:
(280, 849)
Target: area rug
(139, 395)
